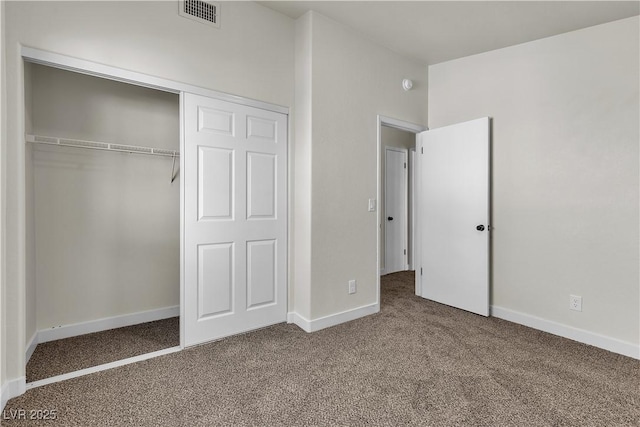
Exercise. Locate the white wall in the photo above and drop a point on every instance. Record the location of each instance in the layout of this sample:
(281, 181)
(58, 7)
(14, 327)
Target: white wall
(391, 137)
(565, 171)
(301, 248)
(106, 225)
(251, 55)
(352, 81)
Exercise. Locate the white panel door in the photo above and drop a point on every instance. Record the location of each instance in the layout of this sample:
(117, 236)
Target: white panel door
(454, 215)
(235, 222)
(395, 210)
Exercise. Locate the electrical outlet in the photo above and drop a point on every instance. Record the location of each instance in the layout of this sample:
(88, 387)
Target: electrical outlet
(352, 286)
(575, 302)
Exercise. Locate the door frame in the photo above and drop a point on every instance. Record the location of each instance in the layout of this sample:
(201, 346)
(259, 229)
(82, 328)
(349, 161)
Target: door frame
(55, 60)
(403, 125)
(412, 208)
(405, 263)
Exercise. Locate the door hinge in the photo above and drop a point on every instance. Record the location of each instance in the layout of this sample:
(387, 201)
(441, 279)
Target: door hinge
(405, 251)
(405, 165)
(421, 271)
(422, 150)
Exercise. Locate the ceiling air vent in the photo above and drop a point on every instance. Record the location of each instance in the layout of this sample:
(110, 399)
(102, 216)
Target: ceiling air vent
(206, 12)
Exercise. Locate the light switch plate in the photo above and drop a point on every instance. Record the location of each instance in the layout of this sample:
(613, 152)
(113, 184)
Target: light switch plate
(372, 205)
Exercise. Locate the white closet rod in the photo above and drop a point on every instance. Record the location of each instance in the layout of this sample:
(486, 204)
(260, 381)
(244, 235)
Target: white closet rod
(95, 145)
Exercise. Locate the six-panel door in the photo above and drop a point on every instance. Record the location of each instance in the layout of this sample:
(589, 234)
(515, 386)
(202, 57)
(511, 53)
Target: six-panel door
(235, 223)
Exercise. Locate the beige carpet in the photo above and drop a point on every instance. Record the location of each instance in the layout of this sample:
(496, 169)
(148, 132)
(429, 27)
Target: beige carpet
(72, 354)
(414, 363)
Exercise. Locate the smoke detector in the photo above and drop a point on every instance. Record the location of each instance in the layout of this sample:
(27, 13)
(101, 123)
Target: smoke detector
(203, 11)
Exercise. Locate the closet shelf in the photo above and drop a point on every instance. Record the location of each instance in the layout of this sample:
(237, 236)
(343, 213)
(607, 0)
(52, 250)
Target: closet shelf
(96, 145)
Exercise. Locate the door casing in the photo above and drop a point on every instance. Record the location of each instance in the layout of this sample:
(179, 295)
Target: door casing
(396, 124)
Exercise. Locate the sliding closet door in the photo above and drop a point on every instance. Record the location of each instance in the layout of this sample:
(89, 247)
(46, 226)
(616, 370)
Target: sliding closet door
(235, 218)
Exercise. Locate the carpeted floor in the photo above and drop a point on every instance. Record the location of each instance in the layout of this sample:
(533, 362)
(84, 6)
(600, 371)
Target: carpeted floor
(72, 354)
(414, 363)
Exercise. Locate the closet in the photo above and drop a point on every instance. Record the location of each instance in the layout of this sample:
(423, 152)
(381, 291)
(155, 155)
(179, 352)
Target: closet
(102, 219)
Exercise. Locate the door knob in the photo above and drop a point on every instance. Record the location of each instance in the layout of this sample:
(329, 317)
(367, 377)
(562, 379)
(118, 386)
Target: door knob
(480, 227)
(390, 218)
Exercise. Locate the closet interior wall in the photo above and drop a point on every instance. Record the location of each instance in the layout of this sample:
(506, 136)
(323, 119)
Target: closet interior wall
(103, 236)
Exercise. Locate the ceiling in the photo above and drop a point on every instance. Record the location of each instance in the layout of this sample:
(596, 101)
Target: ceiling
(436, 31)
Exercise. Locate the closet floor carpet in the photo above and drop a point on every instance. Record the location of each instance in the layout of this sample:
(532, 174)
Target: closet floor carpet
(414, 363)
(71, 354)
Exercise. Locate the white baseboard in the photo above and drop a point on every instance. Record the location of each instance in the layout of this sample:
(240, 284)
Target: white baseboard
(586, 337)
(31, 347)
(107, 323)
(301, 322)
(11, 389)
(382, 271)
(333, 319)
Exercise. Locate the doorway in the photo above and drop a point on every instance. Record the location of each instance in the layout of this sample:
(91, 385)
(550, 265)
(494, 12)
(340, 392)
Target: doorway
(396, 136)
(451, 205)
(103, 221)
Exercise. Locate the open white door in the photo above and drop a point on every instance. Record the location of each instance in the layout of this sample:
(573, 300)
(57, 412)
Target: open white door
(454, 215)
(235, 222)
(395, 210)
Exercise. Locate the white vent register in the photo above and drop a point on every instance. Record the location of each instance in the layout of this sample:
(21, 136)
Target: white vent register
(203, 11)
